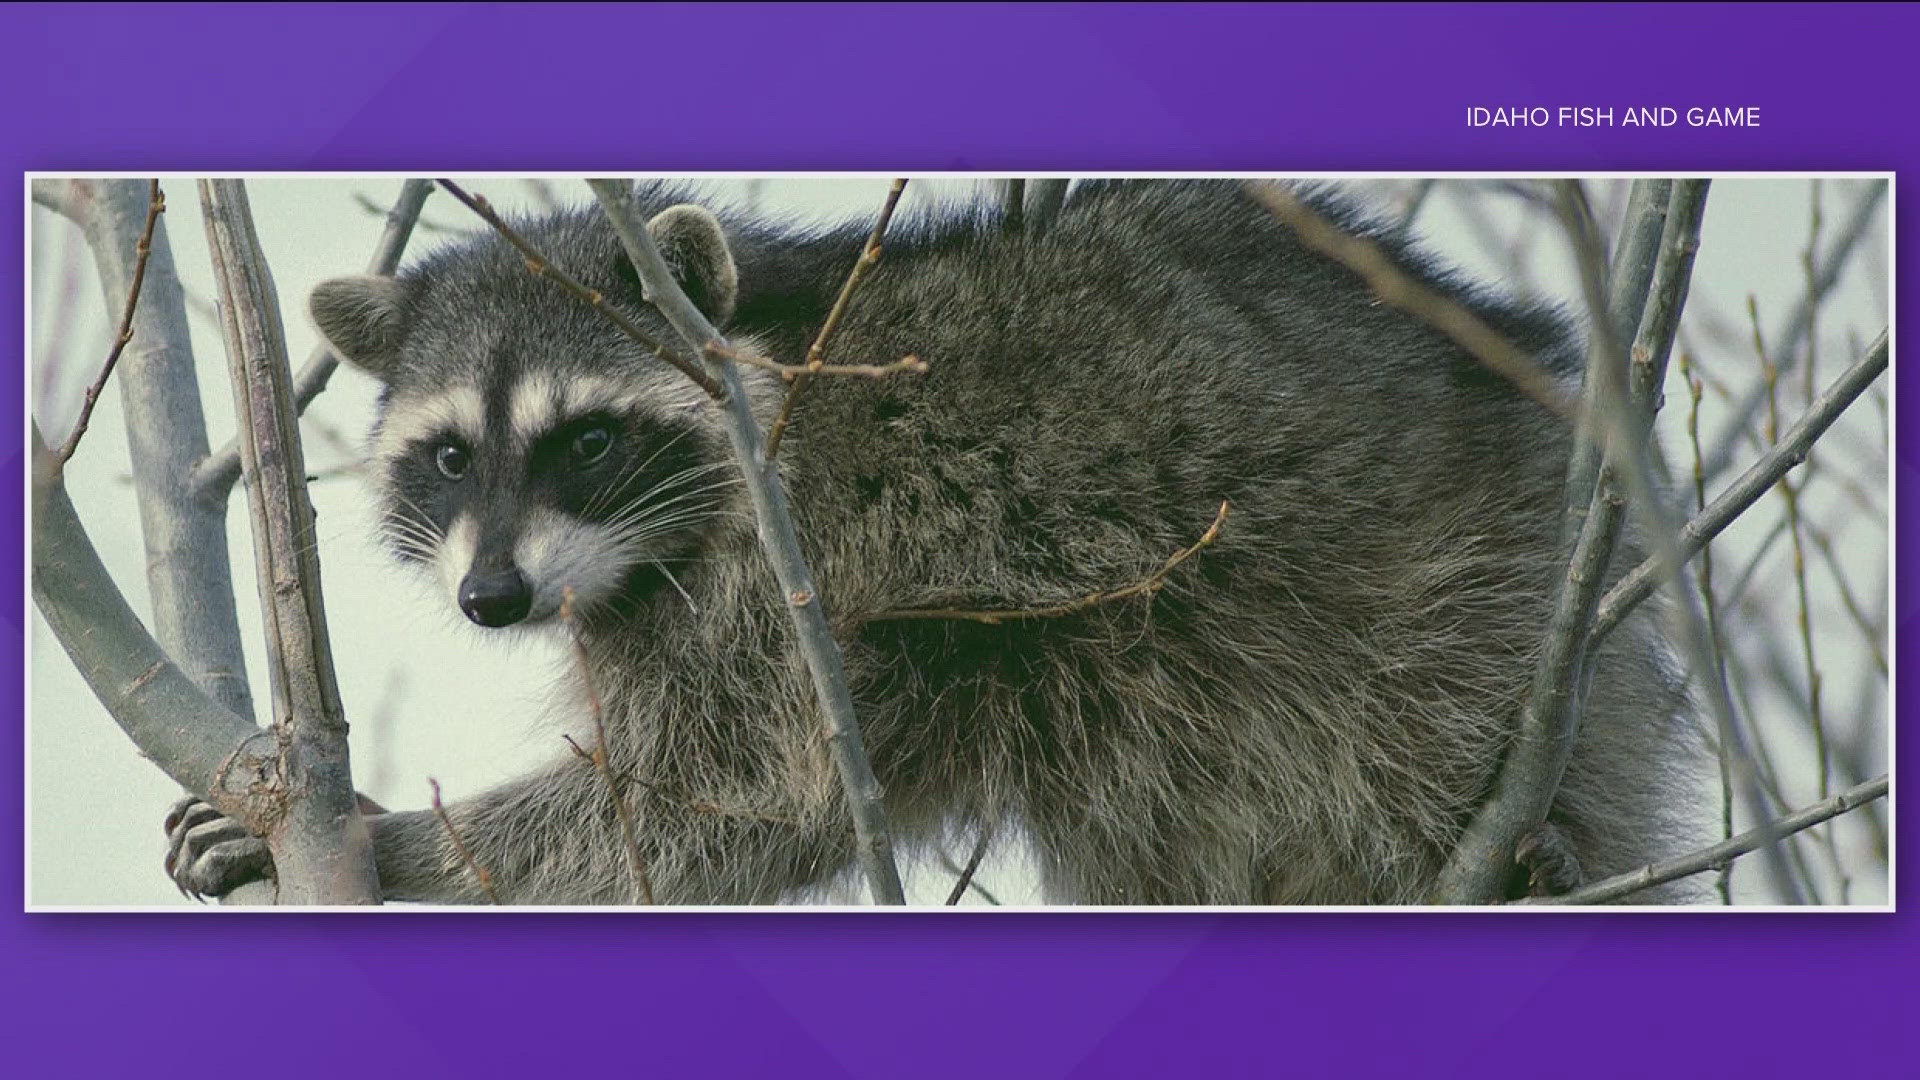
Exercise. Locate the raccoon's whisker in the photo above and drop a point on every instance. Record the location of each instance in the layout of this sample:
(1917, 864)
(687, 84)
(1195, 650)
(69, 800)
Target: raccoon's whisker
(648, 527)
(617, 489)
(682, 504)
(671, 505)
(675, 582)
(423, 532)
(679, 486)
(417, 544)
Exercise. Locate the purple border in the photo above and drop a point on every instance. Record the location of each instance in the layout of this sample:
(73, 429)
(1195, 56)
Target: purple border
(1085, 88)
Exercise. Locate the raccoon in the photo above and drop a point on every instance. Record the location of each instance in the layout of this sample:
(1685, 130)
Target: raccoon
(1308, 711)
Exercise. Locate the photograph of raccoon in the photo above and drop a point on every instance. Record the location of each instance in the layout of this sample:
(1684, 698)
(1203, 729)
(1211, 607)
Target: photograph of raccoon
(1158, 541)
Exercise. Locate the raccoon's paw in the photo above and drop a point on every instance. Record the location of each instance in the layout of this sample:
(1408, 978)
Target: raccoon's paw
(1547, 856)
(209, 854)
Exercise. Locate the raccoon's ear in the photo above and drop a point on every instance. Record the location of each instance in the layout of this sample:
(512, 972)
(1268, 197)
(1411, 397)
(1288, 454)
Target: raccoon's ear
(691, 241)
(362, 318)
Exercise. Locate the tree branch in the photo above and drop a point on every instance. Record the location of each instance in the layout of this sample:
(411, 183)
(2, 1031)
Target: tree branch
(156, 204)
(1800, 322)
(189, 577)
(1523, 792)
(1629, 277)
(1745, 491)
(1398, 288)
(1146, 586)
(215, 476)
(1718, 855)
(189, 580)
(538, 263)
(629, 834)
(460, 845)
(964, 880)
(204, 746)
(817, 354)
(812, 633)
(906, 365)
(1013, 204)
(1045, 198)
(323, 851)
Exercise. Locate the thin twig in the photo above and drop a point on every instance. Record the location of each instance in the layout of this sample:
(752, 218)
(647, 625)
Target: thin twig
(1708, 858)
(816, 355)
(1620, 400)
(1714, 634)
(642, 884)
(813, 635)
(1745, 491)
(538, 263)
(1416, 200)
(1868, 627)
(193, 738)
(366, 202)
(322, 852)
(460, 845)
(1144, 587)
(1800, 322)
(1045, 199)
(965, 880)
(214, 476)
(1791, 497)
(1400, 289)
(1013, 200)
(156, 205)
(906, 365)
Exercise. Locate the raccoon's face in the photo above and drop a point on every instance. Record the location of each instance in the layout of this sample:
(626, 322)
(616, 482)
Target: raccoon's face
(526, 495)
(526, 452)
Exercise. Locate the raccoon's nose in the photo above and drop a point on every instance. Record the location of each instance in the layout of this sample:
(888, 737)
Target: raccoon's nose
(495, 597)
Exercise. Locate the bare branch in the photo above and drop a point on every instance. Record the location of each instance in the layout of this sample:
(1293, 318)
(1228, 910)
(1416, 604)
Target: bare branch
(199, 742)
(189, 582)
(906, 365)
(71, 199)
(1713, 857)
(323, 851)
(214, 477)
(1629, 277)
(1416, 200)
(1724, 749)
(642, 884)
(156, 205)
(1800, 322)
(1745, 491)
(460, 845)
(812, 633)
(1400, 289)
(965, 880)
(1013, 204)
(538, 263)
(1146, 586)
(817, 354)
(1045, 198)
(1771, 376)
(366, 202)
(1549, 724)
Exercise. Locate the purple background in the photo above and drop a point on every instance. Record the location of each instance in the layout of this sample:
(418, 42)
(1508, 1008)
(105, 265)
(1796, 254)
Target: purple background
(1088, 89)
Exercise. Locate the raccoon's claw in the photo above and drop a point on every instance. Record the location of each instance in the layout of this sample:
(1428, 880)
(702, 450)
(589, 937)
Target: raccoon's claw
(209, 854)
(1547, 856)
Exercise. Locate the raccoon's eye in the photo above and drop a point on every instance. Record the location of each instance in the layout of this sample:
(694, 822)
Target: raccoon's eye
(452, 460)
(591, 445)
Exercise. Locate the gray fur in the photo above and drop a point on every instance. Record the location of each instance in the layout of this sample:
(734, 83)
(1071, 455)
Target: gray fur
(360, 318)
(1308, 713)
